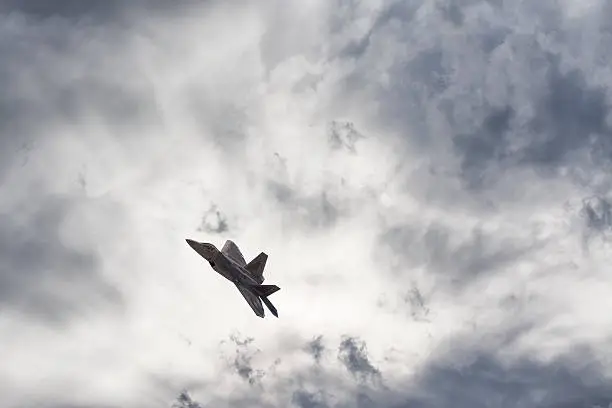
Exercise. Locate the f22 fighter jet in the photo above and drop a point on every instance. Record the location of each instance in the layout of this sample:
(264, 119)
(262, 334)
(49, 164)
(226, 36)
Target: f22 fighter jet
(248, 278)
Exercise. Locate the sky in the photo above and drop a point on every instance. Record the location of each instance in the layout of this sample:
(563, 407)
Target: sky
(430, 179)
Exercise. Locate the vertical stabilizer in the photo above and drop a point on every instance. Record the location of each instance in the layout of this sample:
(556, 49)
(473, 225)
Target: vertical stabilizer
(256, 267)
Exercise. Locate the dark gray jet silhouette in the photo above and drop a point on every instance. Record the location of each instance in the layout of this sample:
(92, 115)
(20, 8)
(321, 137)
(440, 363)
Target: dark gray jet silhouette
(248, 278)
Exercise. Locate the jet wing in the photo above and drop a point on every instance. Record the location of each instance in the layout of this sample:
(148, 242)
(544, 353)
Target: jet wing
(252, 299)
(231, 251)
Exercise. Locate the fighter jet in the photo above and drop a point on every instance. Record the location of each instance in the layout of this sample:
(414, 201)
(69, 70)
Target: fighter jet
(248, 278)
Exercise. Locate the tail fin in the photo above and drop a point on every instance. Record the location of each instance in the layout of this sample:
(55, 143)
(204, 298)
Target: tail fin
(270, 306)
(257, 265)
(264, 290)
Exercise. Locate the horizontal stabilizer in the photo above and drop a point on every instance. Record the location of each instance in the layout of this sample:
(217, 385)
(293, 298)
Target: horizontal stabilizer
(270, 306)
(264, 290)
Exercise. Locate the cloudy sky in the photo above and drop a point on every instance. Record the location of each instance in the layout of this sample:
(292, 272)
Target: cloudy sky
(431, 181)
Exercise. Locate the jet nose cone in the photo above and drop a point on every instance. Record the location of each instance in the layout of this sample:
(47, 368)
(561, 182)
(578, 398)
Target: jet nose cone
(191, 243)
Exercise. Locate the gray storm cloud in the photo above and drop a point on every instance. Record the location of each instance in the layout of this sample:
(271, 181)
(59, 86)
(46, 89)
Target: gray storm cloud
(41, 276)
(430, 179)
(462, 375)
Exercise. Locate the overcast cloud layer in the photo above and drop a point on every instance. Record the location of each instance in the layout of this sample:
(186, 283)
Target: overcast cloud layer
(431, 181)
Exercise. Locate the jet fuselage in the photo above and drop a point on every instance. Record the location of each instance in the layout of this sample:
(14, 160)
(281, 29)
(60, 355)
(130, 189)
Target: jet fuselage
(230, 270)
(223, 265)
